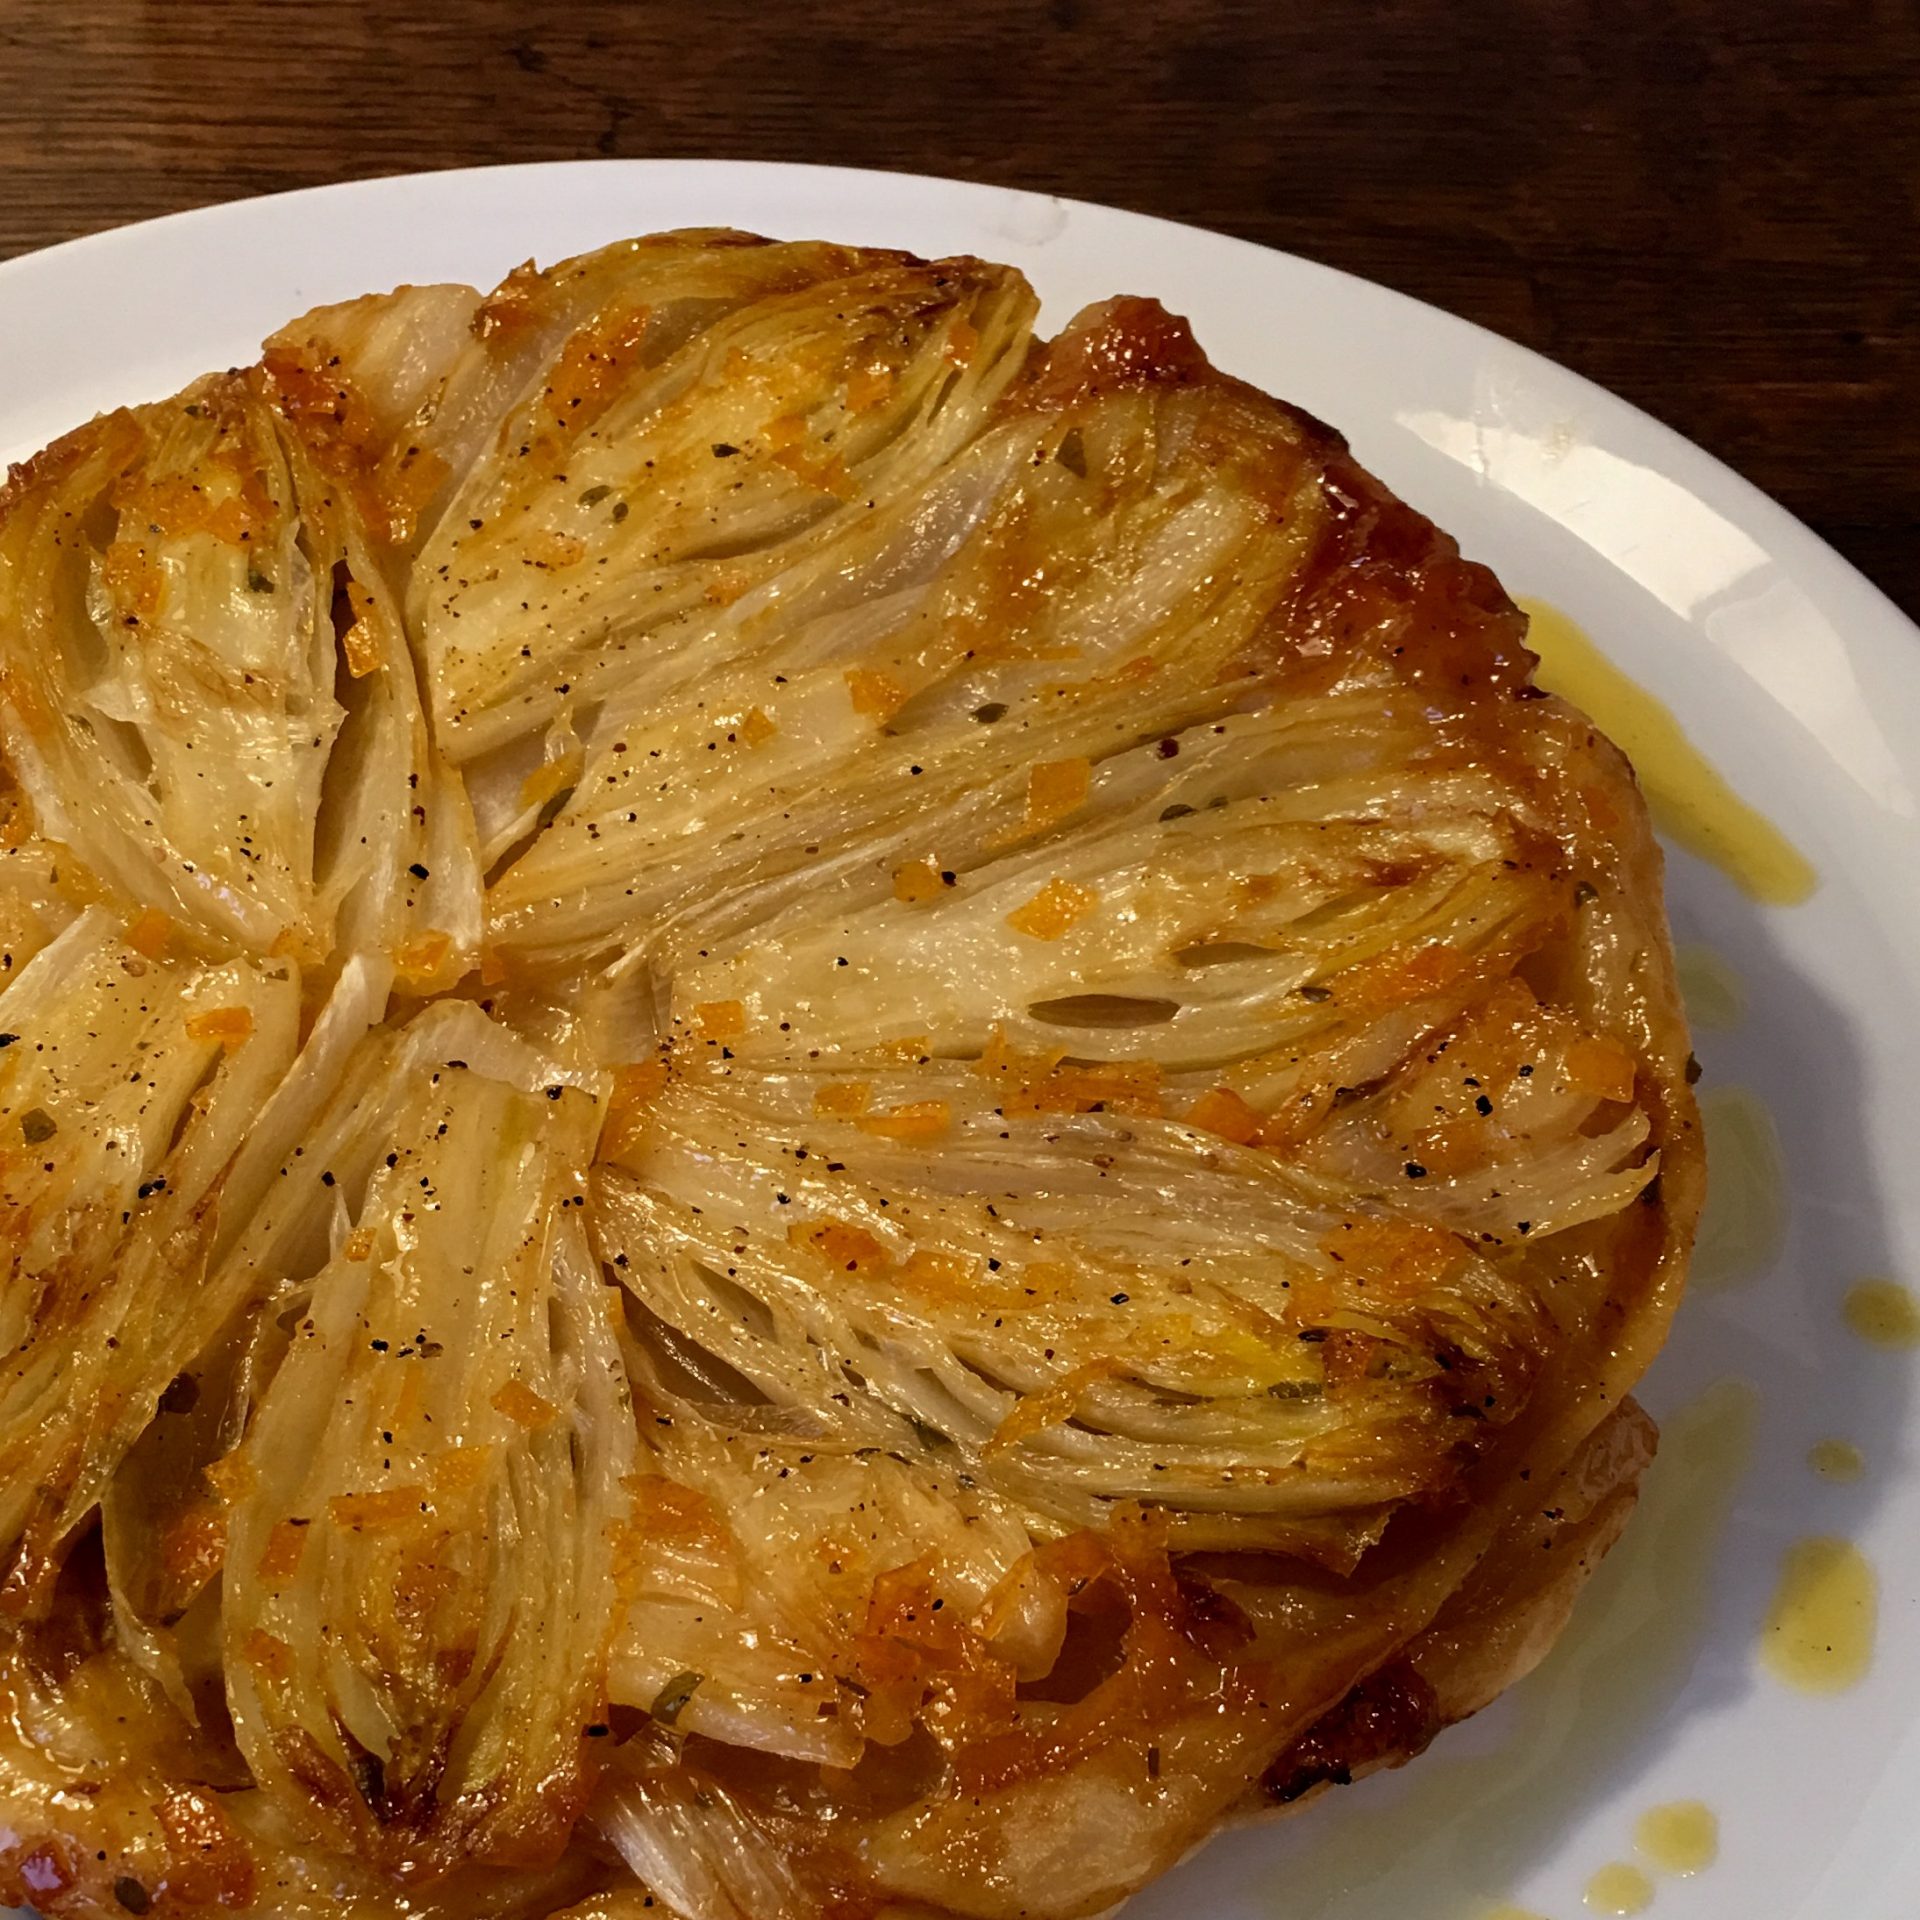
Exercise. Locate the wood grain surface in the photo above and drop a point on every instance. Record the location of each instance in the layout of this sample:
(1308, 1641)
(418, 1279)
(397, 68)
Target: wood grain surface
(1710, 206)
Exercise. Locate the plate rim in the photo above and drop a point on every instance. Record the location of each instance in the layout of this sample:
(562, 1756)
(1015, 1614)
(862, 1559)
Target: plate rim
(1871, 626)
(1810, 553)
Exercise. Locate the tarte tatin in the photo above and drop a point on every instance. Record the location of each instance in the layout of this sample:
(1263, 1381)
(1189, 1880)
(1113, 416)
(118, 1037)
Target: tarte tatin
(806, 1112)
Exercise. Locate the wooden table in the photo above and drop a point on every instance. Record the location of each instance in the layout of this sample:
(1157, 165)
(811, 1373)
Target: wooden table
(1710, 207)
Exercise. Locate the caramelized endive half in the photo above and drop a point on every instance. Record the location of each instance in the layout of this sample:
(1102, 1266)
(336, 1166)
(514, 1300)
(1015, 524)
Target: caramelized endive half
(167, 664)
(130, 1088)
(358, 381)
(1243, 895)
(207, 695)
(418, 1577)
(979, 1265)
(394, 841)
(695, 418)
(1100, 568)
(749, 1562)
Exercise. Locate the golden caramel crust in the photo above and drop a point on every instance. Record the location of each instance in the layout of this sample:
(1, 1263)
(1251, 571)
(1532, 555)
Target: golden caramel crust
(913, 1099)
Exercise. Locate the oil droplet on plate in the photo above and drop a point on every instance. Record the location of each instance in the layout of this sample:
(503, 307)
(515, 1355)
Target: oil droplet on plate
(1883, 1313)
(1682, 1837)
(1837, 1460)
(1618, 1888)
(1689, 801)
(1820, 1627)
(1744, 1224)
(1715, 995)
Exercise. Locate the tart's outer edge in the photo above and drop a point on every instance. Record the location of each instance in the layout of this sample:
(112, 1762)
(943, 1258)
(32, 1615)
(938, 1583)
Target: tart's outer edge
(1536, 1617)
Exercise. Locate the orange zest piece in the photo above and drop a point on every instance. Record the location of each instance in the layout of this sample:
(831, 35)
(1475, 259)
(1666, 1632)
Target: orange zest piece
(132, 579)
(551, 777)
(1401, 1259)
(852, 1249)
(756, 729)
(1107, 1086)
(668, 1513)
(1056, 789)
(1347, 1357)
(1002, 1060)
(285, 1545)
(231, 1026)
(361, 655)
(423, 956)
(844, 1100)
(1052, 1405)
(911, 1641)
(377, 1512)
(917, 1120)
(672, 1510)
(635, 1089)
(1601, 1067)
(879, 696)
(523, 1406)
(262, 1652)
(918, 880)
(1058, 905)
(307, 386)
(151, 933)
(592, 362)
(357, 644)
(1032, 1083)
(1047, 1280)
(719, 1020)
(232, 1477)
(1398, 977)
(194, 1545)
(829, 475)
(294, 943)
(404, 479)
(1222, 1111)
(869, 388)
(942, 1277)
(359, 1244)
(638, 1085)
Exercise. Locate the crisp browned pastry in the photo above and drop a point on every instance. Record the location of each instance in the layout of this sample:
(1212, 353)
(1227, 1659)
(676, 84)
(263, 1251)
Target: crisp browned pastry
(803, 1112)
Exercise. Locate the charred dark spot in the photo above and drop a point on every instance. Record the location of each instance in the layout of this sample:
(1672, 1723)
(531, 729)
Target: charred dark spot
(369, 1776)
(1386, 1720)
(182, 1394)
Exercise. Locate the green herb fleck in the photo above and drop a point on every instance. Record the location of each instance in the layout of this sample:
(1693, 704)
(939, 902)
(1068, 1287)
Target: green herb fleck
(669, 1702)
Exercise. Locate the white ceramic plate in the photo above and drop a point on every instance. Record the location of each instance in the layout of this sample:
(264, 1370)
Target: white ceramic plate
(1793, 676)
